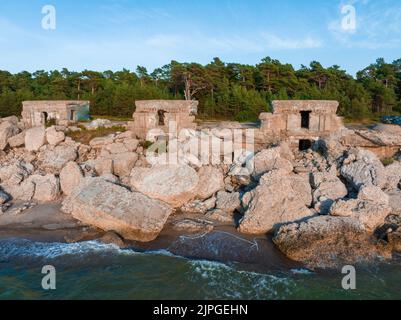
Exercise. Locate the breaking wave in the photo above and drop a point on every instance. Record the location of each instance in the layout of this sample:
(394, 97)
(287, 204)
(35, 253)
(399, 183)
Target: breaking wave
(21, 248)
(102, 271)
(222, 281)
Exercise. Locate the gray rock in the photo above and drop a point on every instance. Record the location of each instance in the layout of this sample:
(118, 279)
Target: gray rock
(54, 137)
(272, 203)
(328, 189)
(199, 206)
(71, 176)
(362, 167)
(327, 242)
(47, 188)
(7, 130)
(173, 184)
(393, 175)
(211, 180)
(228, 202)
(370, 209)
(17, 140)
(53, 159)
(114, 208)
(35, 138)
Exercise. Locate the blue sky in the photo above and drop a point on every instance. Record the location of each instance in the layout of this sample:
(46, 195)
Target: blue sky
(111, 35)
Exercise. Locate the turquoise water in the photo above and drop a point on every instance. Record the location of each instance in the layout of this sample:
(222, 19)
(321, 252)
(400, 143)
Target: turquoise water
(92, 270)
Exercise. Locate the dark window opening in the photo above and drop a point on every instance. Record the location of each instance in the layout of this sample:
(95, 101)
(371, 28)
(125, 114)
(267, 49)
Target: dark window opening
(72, 115)
(305, 145)
(45, 117)
(161, 115)
(305, 119)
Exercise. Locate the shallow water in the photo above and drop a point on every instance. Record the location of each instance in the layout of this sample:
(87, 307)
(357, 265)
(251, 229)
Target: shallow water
(92, 270)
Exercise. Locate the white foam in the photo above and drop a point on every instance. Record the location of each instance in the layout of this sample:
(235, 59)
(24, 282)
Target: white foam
(302, 271)
(223, 280)
(25, 248)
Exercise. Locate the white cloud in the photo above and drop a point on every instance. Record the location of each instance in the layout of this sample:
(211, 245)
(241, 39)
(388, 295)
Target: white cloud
(254, 44)
(276, 42)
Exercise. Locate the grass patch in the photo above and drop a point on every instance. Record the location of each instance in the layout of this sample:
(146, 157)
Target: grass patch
(85, 136)
(387, 161)
(50, 123)
(364, 121)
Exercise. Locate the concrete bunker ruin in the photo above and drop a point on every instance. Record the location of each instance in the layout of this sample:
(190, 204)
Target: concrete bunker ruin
(300, 122)
(37, 113)
(157, 114)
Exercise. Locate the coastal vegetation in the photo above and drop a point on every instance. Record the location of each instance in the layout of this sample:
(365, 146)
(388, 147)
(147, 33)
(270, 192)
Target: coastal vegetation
(226, 91)
(83, 135)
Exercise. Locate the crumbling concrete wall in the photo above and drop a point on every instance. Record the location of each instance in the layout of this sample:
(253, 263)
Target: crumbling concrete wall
(36, 113)
(158, 114)
(286, 123)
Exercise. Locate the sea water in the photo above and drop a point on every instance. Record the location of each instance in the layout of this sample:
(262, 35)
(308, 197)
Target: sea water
(92, 270)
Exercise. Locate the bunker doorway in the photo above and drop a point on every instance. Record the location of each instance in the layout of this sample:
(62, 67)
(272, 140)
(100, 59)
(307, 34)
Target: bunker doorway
(305, 119)
(305, 145)
(72, 115)
(162, 117)
(45, 117)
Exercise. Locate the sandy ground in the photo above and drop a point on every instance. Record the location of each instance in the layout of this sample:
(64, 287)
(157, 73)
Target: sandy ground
(44, 222)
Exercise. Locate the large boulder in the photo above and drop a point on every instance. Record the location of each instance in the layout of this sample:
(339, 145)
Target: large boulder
(327, 189)
(23, 191)
(393, 175)
(116, 148)
(100, 142)
(14, 172)
(211, 180)
(35, 138)
(114, 208)
(104, 166)
(199, 206)
(4, 197)
(17, 140)
(274, 202)
(47, 188)
(13, 180)
(173, 184)
(7, 130)
(53, 159)
(362, 167)
(302, 189)
(273, 159)
(54, 137)
(71, 176)
(123, 163)
(12, 119)
(327, 241)
(395, 201)
(370, 209)
(228, 202)
(131, 144)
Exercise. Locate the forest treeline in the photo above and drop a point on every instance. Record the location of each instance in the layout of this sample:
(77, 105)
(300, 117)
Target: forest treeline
(229, 91)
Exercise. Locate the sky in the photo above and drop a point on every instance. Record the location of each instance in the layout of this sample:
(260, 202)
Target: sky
(111, 35)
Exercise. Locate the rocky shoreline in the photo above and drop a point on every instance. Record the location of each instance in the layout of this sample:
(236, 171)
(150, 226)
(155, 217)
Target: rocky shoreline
(333, 205)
